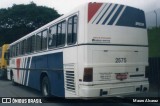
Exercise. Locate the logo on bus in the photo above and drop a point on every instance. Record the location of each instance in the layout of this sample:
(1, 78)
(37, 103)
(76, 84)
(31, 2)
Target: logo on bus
(121, 76)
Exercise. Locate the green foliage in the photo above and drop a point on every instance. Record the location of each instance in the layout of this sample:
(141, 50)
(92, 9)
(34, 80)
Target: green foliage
(154, 42)
(19, 20)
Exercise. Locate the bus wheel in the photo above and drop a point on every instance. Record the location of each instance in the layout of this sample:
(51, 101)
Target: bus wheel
(46, 90)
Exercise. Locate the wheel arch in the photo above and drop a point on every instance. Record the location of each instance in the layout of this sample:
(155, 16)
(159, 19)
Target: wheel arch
(42, 75)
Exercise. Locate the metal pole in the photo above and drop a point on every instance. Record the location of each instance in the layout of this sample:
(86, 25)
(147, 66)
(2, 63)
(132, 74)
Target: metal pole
(156, 17)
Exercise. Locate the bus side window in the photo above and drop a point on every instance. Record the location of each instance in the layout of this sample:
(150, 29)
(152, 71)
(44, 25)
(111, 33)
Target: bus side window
(75, 21)
(72, 30)
(33, 43)
(52, 36)
(17, 49)
(13, 51)
(20, 48)
(38, 42)
(44, 39)
(61, 33)
(29, 45)
(23, 47)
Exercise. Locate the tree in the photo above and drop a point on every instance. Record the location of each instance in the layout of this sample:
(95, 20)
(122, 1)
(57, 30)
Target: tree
(19, 20)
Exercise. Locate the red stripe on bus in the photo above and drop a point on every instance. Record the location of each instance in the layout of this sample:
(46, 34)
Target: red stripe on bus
(18, 66)
(92, 9)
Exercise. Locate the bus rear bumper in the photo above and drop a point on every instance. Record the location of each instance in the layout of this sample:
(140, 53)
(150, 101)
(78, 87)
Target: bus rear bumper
(113, 90)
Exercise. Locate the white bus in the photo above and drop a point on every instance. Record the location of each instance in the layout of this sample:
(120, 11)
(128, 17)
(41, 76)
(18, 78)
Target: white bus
(97, 50)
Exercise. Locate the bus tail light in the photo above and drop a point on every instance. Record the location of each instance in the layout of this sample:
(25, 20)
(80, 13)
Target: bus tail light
(88, 75)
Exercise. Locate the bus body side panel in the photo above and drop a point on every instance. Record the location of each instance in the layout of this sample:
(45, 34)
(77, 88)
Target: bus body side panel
(56, 74)
(52, 64)
(70, 71)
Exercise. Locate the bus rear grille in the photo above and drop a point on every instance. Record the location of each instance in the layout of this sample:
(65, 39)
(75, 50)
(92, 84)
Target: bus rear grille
(70, 81)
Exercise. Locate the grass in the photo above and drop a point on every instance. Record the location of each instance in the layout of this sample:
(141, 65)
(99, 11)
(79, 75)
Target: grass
(154, 42)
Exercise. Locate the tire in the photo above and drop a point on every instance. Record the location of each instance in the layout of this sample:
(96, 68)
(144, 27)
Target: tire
(45, 88)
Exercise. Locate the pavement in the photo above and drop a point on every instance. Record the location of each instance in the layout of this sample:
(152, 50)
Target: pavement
(8, 90)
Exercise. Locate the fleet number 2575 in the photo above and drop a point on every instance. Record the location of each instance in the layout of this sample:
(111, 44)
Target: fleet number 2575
(120, 60)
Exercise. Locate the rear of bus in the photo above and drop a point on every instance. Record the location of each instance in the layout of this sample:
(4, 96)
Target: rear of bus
(115, 51)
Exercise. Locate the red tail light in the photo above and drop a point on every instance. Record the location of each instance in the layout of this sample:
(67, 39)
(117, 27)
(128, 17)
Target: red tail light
(121, 76)
(88, 75)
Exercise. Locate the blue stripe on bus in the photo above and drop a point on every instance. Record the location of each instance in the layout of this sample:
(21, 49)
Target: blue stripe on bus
(27, 66)
(130, 16)
(56, 77)
(104, 14)
(115, 15)
(23, 70)
(104, 22)
(99, 13)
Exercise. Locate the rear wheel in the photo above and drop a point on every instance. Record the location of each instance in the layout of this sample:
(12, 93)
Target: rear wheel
(46, 90)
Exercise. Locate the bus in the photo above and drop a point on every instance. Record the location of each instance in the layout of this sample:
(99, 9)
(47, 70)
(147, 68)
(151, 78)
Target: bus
(97, 50)
(3, 62)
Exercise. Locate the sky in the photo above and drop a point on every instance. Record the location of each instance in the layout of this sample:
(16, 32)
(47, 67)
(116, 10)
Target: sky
(65, 6)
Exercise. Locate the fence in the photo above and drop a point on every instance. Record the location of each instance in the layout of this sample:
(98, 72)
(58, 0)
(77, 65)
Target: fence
(154, 74)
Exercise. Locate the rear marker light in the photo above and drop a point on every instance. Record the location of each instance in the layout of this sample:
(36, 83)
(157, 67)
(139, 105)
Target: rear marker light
(88, 75)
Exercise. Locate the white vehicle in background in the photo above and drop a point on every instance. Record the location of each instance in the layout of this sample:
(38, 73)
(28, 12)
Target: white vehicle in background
(97, 50)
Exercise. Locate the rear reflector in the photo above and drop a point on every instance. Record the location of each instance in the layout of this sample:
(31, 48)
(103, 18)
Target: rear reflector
(88, 75)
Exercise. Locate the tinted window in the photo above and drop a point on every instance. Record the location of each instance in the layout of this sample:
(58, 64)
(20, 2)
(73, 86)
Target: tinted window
(28, 44)
(33, 43)
(52, 36)
(75, 22)
(20, 48)
(72, 30)
(61, 33)
(13, 52)
(69, 35)
(38, 42)
(25, 46)
(17, 49)
(44, 39)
